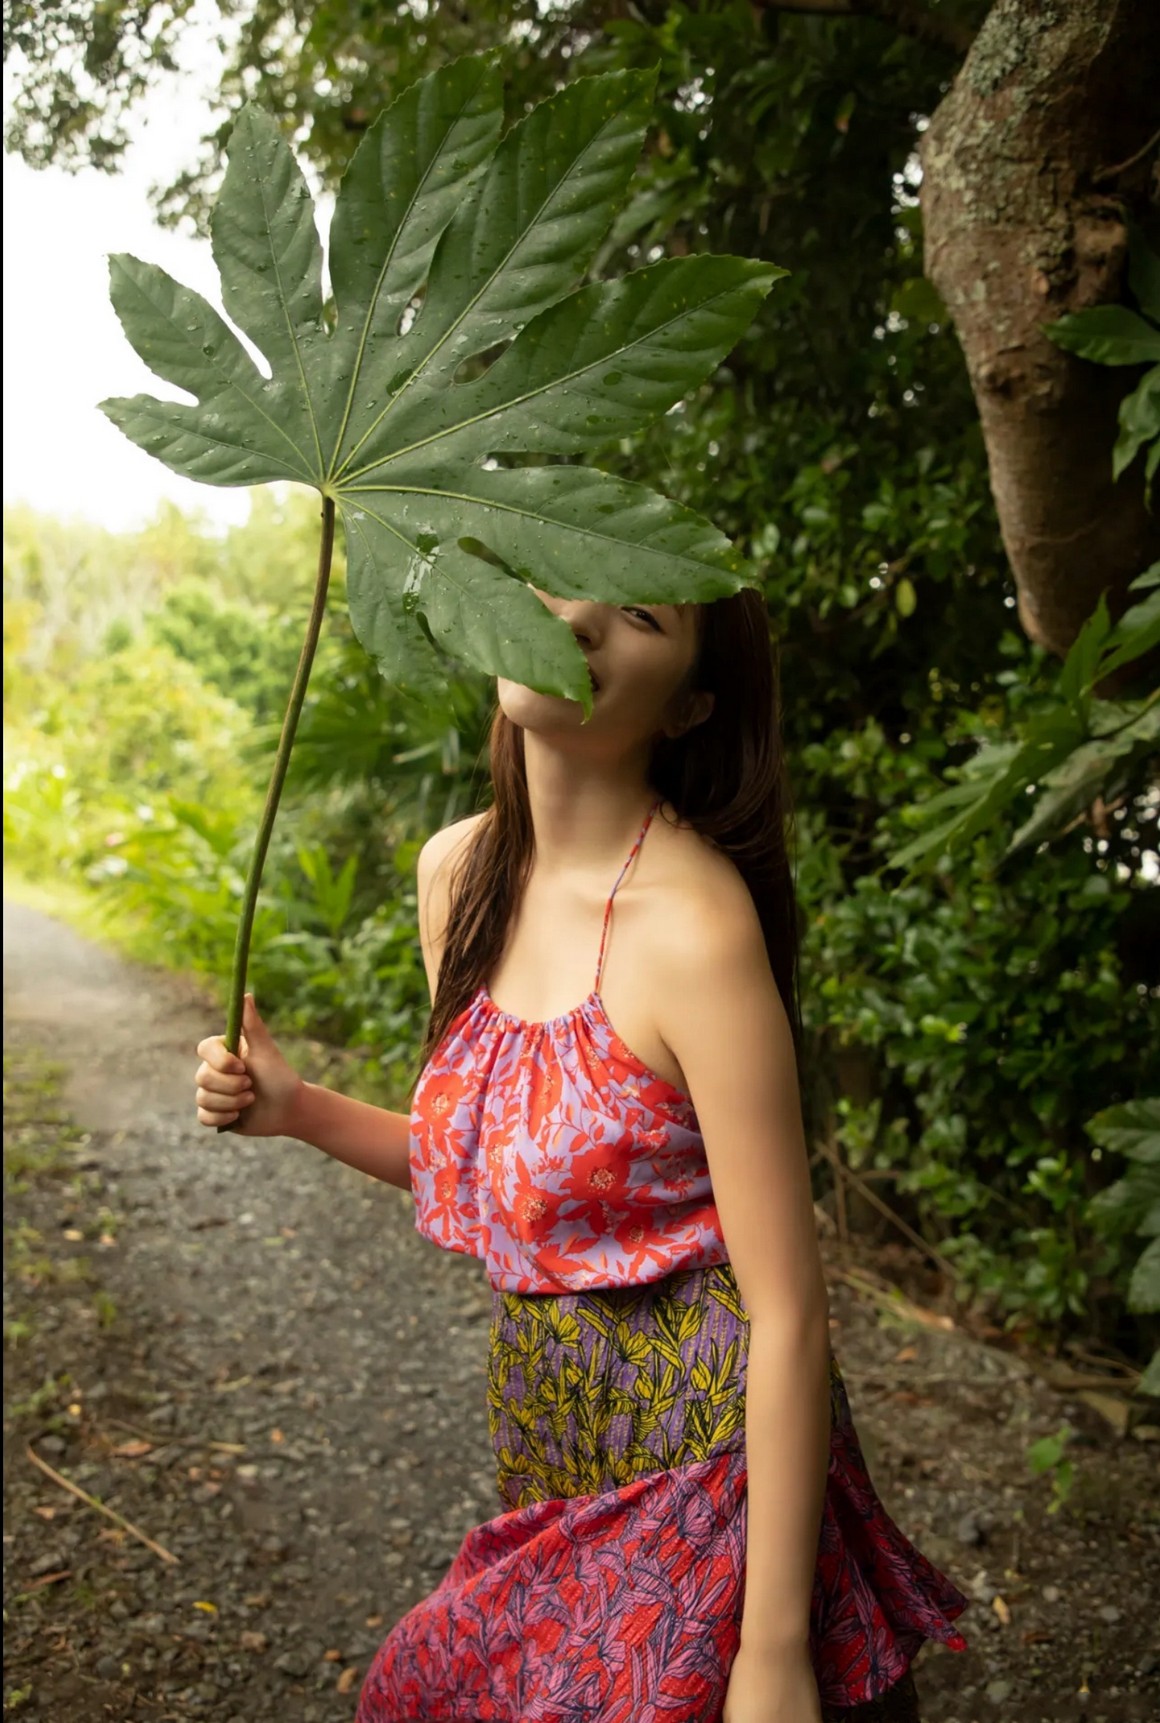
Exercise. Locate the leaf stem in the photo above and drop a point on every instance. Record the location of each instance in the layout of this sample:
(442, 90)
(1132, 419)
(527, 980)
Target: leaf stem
(277, 779)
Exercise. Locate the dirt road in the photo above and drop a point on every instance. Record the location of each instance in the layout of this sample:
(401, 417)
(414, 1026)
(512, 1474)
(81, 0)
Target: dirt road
(247, 1351)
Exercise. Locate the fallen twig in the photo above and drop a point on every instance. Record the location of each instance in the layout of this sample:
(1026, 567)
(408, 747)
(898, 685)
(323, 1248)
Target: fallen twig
(100, 1508)
(892, 1299)
(161, 1440)
(920, 1380)
(1066, 1381)
(38, 1585)
(1103, 1361)
(843, 1173)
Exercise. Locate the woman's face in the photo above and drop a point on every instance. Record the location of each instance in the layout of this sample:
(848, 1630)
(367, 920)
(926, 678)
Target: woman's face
(639, 656)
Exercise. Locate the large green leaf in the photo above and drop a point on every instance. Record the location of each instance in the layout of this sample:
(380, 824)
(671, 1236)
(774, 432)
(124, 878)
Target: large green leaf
(1131, 1129)
(991, 781)
(1107, 334)
(1139, 420)
(1073, 785)
(461, 337)
(1074, 748)
(1138, 629)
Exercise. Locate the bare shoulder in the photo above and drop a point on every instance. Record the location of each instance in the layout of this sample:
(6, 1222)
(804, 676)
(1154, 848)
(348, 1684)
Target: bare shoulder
(443, 848)
(700, 911)
(435, 872)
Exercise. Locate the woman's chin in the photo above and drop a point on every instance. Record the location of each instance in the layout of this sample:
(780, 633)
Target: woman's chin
(537, 712)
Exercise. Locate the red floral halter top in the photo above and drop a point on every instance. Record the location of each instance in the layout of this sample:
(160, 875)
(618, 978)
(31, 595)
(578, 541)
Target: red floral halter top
(557, 1156)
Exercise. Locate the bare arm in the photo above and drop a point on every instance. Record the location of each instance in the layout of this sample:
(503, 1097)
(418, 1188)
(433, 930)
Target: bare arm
(262, 1095)
(266, 1097)
(725, 1022)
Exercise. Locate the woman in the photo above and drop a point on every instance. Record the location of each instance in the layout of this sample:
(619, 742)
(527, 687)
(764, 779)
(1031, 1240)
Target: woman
(688, 1530)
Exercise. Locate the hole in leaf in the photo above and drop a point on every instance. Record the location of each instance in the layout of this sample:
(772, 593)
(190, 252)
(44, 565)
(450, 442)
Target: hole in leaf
(411, 310)
(477, 364)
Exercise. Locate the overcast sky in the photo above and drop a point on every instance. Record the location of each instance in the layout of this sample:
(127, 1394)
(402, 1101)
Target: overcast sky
(63, 346)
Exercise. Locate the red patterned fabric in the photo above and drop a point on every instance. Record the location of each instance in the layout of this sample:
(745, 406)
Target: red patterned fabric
(626, 1608)
(620, 1608)
(610, 1587)
(553, 1153)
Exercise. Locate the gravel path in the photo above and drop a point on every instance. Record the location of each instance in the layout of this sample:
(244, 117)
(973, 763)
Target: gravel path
(169, 1289)
(266, 1297)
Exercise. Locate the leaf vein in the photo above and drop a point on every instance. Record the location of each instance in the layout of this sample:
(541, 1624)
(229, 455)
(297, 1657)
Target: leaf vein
(290, 329)
(556, 382)
(427, 358)
(505, 507)
(378, 287)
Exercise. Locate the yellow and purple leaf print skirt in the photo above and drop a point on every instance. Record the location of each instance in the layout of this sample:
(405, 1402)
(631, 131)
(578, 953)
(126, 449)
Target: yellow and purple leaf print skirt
(609, 1590)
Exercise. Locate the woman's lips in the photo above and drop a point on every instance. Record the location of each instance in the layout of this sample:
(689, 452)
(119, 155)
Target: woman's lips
(593, 678)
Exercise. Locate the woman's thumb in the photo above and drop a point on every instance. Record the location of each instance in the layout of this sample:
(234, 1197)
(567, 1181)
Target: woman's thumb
(250, 1018)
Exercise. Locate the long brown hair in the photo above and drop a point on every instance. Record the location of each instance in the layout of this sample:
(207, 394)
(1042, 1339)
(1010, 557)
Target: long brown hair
(726, 777)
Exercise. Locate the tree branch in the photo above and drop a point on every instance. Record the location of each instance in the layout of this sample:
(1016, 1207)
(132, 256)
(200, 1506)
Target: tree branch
(908, 19)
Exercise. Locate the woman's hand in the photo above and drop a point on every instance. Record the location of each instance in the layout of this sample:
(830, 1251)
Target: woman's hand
(255, 1086)
(776, 1686)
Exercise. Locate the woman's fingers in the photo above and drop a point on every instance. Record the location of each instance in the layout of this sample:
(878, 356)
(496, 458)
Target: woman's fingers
(221, 1109)
(222, 1082)
(213, 1050)
(204, 1117)
(224, 1085)
(208, 1097)
(217, 1100)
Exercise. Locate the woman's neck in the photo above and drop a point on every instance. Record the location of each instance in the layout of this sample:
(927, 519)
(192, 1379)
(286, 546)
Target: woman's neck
(583, 812)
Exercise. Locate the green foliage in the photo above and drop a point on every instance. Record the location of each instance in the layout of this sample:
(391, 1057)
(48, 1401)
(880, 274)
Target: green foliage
(144, 718)
(124, 731)
(129, 773)
(246, 652)
(1117, 335)
(1131, 1206)
(839, 446)
(1049, 1455)
(67, 587)
(327, 963)
(1072, 745)
(963, 998)
(1108, 335)
(443, 248)
(1070, 748)
(101, 61)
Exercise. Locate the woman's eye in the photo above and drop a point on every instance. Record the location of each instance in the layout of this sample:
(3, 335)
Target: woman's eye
(646, 615)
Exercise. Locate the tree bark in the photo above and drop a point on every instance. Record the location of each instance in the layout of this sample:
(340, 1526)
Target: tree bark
(1028, 178)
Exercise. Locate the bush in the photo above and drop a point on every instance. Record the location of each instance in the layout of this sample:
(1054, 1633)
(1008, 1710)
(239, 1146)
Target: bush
(123, 730)
(991, 1016)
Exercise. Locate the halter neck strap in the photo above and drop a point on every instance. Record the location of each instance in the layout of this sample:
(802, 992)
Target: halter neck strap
(631, 857)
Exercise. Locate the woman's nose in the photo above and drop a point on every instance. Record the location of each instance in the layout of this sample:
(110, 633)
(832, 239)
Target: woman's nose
(585, 618)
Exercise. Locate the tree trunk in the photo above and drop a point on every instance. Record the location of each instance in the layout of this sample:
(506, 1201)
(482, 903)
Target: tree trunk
(1044, 144)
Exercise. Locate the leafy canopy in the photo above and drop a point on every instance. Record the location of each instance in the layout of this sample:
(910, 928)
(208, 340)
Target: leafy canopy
(457, 339)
